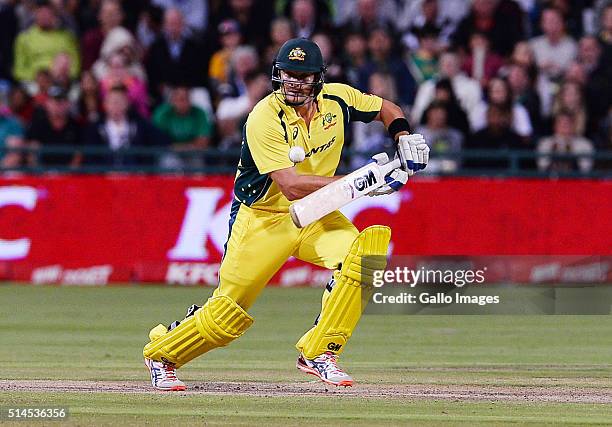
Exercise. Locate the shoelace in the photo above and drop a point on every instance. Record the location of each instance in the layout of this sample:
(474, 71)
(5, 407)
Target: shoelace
(170, 372)
(331, 363)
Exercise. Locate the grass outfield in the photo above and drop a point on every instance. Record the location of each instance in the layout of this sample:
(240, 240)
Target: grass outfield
(417, 370)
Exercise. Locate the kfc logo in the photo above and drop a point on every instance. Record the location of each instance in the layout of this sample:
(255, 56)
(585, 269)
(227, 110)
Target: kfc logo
(24, 197)
(203, 220)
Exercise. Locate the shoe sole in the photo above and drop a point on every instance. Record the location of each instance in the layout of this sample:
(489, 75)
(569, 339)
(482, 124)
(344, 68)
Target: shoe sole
(309, 370)
(175, 388)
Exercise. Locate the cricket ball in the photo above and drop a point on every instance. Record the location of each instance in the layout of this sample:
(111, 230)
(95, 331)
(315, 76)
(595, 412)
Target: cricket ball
(297, 154)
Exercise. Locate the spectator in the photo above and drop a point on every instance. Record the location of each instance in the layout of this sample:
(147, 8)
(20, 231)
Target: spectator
(589, 54)
(89, 106)
(174, 59)
(60, 75)
(110, 16)
(335, 72)
(498, 93)
(11, 137)
(423, 61)
(570, 100)
(467, 90)
(118, 74)
(373, 137)
(220, 63)
(597, 69)
(605, 34)
(441, 138)
(565, 141)
(253, 17)
(456, 116)
(42, 84)
(576, 73)
(280, 32)
(305, 19)
(425, 17)
(232, 112)
(36, 47)
(364, 16)
(119, 131)
(524, 94)
(500, 21)
(497, 135)
(244, 60)
(66, 12)
(54, 125)
(443, 14)
(523, 55)
(21, 104)
(554, 50)
(120, 41)
(149, 25)
(194, 11)
(481, 64)
(190, 129)
(383, 59)
(572, 12)
(355, 57)
(8, 33)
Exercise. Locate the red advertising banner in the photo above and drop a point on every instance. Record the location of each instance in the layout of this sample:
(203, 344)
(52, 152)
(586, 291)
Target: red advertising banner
(100, 229)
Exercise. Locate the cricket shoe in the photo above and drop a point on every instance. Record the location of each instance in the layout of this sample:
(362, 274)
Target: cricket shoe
(163, 376)
(326, 368)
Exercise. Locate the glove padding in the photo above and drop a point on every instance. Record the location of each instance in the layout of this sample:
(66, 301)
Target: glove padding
(413, 152)
(394, 179)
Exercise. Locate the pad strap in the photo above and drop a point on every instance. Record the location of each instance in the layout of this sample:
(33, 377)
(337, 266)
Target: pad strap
(216, 324)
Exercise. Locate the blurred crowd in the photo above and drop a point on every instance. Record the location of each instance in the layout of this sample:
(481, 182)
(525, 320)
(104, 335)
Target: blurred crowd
(483, 74)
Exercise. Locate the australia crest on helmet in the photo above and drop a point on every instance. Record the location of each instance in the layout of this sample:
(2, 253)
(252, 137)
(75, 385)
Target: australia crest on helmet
(297, 54)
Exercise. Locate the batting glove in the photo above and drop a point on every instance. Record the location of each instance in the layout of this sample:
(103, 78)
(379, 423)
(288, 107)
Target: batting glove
(413, 152)
(395, 179)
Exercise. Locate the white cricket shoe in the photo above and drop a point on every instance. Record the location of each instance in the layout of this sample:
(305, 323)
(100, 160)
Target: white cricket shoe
(163, 376)
(326, 368)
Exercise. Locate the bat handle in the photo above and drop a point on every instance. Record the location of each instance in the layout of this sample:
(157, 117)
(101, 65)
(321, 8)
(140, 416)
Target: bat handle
(388, 167)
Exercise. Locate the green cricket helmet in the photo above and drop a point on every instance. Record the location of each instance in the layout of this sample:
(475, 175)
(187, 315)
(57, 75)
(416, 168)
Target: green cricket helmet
(299, 56)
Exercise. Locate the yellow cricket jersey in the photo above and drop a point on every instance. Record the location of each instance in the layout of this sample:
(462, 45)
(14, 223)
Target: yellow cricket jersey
(272, 128)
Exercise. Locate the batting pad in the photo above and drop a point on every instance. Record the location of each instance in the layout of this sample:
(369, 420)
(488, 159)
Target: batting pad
(216, 324)
(342, 308)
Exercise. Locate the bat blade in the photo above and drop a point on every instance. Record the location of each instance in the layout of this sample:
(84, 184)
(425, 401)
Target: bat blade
(339, 193)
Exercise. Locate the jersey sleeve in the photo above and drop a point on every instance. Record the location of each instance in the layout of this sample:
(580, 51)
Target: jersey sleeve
(266, 141)
(363, 107)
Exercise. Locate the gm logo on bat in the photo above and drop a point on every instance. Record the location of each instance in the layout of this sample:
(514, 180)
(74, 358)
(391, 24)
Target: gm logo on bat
(365, 181)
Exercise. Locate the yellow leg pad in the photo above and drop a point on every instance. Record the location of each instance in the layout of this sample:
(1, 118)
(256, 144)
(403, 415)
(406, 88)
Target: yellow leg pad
(216, 324)
(342, 309)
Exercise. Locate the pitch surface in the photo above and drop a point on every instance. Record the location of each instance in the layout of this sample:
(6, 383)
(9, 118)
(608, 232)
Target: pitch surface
(81, 347)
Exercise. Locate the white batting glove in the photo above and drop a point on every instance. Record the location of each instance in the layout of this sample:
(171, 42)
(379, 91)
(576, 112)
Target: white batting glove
(413, 152)
(394, 179)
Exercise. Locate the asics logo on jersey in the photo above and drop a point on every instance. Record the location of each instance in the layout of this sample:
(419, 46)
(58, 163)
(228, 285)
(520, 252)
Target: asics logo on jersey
(321, 147)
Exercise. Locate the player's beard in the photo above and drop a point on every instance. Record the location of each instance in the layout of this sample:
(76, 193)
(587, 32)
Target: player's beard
(297, 95)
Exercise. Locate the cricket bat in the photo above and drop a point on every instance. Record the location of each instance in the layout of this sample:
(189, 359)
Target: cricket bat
(340, 192)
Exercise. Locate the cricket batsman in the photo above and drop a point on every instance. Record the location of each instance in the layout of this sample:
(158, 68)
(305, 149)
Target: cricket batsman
(305, 112)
